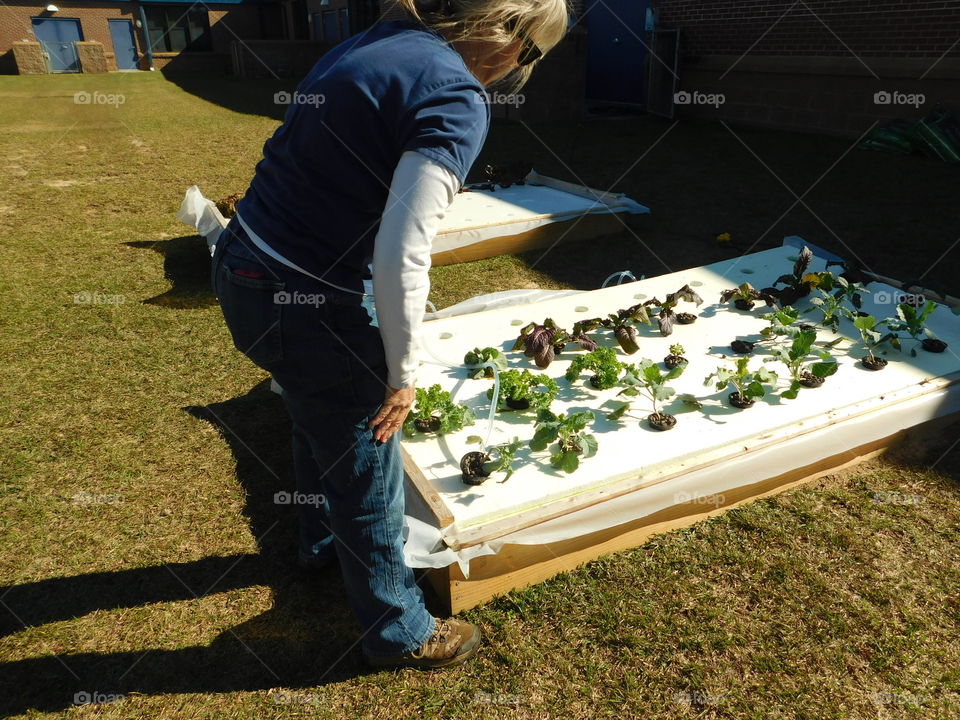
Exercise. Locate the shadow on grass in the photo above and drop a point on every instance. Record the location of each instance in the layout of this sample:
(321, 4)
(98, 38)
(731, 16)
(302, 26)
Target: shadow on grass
(186, 264)
(308, 638)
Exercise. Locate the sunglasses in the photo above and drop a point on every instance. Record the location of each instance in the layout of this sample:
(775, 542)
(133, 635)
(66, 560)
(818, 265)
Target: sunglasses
(529, 52)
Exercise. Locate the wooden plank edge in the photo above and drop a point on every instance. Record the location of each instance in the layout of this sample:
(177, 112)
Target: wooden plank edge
(441, 515)
(584, 227)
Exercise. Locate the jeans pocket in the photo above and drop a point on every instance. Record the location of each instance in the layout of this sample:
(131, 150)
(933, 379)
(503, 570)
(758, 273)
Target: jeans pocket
(252, 303)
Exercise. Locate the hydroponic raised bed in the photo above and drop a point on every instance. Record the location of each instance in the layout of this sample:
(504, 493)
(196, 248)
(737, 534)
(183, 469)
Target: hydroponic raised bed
(484, 223)
(543, 520)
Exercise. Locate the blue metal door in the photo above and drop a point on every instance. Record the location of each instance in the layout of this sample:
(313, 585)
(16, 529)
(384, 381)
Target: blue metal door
(615, 50)
(124, 46)
(57, 37)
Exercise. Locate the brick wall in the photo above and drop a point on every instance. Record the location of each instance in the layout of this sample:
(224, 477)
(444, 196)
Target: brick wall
(870, 28)
(819, 66)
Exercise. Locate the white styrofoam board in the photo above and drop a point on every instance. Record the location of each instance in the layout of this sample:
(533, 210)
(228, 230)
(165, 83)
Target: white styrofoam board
(629, 452)
(479, 215)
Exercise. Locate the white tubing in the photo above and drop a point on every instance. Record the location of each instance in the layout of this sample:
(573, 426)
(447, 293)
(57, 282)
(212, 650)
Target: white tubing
(620, 276)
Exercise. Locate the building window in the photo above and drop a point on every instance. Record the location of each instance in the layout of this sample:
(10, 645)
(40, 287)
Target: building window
(173, 29)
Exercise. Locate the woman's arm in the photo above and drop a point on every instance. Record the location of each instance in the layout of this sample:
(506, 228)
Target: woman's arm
(420, 192)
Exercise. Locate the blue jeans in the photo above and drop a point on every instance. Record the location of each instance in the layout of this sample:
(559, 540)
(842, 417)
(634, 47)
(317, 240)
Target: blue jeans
(318, 344)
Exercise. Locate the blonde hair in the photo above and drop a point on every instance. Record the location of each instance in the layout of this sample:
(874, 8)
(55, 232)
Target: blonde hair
(543, 22)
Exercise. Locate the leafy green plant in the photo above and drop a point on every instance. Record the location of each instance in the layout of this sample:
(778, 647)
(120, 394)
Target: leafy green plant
(872, 339)
(795, 357)
(912, 321)
(544, 342)
(666, 317)
(435, 411)
(477, 466)
(745, 297)
(568, 433)
(748, 385)
(675, 358)
(646, 380)
(604, 363)
(479, 356)
(837, 299)
(522, 389)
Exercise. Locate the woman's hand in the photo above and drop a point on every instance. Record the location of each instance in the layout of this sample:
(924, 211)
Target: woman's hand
(396, 407)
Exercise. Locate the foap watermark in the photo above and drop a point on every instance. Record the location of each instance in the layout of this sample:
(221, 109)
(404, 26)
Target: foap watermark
(899, 699)
(715, 500)
(885, 297)
(298, 298)
(499, 98)
(298, 498)
(895, 97)
(88, 498)
(295, 698)
(98, 98)
(696, 97)
(298, 98)
(494, 698)
(95, 697)
(696, 700)
(85, 297)
(895, 498)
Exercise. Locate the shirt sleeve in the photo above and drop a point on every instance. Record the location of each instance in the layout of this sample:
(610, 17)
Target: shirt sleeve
(450, 126)
(420, 193)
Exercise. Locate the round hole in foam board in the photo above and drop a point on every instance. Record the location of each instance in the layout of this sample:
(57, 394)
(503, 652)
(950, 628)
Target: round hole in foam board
(581, 308)
(516, 322)
(746, 271)
(445, 335)
(696, 283)
(639, 296)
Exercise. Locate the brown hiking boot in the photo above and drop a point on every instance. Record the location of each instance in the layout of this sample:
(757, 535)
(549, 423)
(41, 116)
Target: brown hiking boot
(453, 642)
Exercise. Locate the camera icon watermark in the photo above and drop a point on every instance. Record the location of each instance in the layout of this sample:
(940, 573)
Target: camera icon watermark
(495, 698)
(298, 98)
(292, 698)
(697, 700)
(98, 98)
(895, 498)
(88, 498)
(696, 97)
(899, 699)
(885, 297)
(296, 297)
(85, 297)
(298, 498)
(499, 98)
(715, 500)
(84, 697)
(895, 97)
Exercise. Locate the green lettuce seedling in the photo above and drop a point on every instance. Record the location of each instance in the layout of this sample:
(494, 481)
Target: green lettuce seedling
(522, 389)
(604, 363)
(435, 411)
(795, 357)
(748, 385)
(567, 432)
(479, 356)
(646, 380)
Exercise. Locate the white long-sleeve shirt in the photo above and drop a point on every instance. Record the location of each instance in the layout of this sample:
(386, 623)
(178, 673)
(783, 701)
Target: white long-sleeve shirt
(420, 193)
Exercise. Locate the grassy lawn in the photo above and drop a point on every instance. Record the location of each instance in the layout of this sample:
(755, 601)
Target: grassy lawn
(143, 555)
